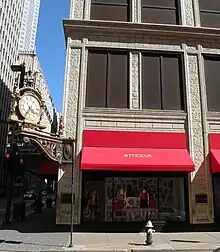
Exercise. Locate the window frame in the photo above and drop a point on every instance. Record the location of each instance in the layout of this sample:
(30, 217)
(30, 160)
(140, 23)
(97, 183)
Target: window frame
(108, 52)
(155, 7)
(99, 2)
(182, 79)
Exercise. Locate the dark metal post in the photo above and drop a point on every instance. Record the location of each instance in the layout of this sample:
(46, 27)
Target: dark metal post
(72, 197)
(10, 179)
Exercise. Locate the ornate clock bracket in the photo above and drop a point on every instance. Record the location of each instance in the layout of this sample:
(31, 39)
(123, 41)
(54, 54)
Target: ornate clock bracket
(58, 149)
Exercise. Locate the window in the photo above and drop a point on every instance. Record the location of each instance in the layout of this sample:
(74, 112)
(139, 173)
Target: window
(114, 10)
(133, 199)
(107, 80)
(212, 75)
(157, 11)
(210, 13)
(162, 82)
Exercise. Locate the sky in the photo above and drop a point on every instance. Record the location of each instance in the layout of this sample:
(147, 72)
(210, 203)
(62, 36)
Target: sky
(51, 47)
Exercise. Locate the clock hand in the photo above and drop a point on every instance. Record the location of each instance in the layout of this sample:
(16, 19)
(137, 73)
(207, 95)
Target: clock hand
(29, 108)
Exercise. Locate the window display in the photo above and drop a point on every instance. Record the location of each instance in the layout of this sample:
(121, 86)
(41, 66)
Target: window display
(135, 199)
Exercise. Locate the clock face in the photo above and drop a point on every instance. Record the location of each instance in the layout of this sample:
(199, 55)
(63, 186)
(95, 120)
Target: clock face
(30, 107)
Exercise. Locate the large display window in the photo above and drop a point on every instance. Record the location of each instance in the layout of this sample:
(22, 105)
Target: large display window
(134, 199)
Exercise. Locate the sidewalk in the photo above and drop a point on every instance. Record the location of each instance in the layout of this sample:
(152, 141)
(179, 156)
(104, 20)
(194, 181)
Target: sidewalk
(38, 233)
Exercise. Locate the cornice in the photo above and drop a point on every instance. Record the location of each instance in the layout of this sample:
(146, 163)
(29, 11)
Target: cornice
(73, 28)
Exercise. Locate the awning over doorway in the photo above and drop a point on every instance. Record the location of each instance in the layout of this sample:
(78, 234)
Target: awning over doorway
(135, 151)
(214, 143)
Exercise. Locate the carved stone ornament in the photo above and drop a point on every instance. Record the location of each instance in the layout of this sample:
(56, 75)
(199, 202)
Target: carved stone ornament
(61, 127)
(56, 148)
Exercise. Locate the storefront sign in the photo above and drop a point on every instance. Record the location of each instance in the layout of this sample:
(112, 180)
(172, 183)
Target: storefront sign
(141, 155)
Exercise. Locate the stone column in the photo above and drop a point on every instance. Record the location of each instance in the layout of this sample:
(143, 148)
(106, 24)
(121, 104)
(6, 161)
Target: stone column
(71, 90)
(199, 181)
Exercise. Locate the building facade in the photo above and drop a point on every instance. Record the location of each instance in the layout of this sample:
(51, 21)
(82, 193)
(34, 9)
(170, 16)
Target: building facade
(142, 81)
(29, 25)
(10, 23)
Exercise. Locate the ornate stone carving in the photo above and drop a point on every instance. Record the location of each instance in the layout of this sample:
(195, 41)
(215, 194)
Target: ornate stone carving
(189, 12)
(72, 97)
(135, 81)
(14, 104)
(61, 127)
(134, 11)
(199, 178)
(196, 111)
(78, 9)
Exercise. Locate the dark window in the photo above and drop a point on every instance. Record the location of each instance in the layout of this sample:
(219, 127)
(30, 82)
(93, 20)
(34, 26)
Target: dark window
(160, 11)
(107, 80)
(114, 10)
(162, 82)
(212, 76)
(210, 13)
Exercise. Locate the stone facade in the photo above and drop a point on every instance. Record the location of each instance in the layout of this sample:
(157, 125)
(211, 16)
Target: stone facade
(196, 121)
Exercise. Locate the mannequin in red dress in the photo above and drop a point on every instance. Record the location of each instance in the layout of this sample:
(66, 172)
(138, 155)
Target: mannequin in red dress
(144, 202)
(94, 203)
(121, 197)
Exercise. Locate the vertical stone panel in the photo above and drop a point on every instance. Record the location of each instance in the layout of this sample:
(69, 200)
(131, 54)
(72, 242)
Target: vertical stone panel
(188, 12)
(135, 81)
(78, 6)
(72, 93)
(199, 181)
(134, 11)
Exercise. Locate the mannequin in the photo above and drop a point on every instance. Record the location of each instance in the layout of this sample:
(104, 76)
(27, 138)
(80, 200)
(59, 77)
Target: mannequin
(144, 203)
(94, 203)
(121, 197)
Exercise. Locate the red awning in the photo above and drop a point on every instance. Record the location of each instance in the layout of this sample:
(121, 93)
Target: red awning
(136, 159)
(48, 168)
(214, 143)
(215, 160)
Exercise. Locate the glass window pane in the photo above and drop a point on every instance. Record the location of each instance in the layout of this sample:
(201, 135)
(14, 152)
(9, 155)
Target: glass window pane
(117, 81)
(134, 199)
(165, 3)
(109, 12)
(151, 89)
(171, 199)
(209, 5)
(210, 20)
(212, 76)
(172, 86)
(159, 16)
(96, 80)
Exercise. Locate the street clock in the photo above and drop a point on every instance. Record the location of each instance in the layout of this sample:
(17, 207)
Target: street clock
(30, 107)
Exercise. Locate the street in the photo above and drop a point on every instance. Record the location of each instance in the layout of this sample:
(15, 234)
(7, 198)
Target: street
(39, 233)
(29, 209)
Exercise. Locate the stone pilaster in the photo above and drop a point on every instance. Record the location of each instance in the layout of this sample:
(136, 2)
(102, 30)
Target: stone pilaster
(187, 12)
(78, 9)
(199, 180)
(71, 92)
(135, 80)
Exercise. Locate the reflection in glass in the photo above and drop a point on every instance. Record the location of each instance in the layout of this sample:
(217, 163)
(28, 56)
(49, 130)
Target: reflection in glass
(135, 199)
